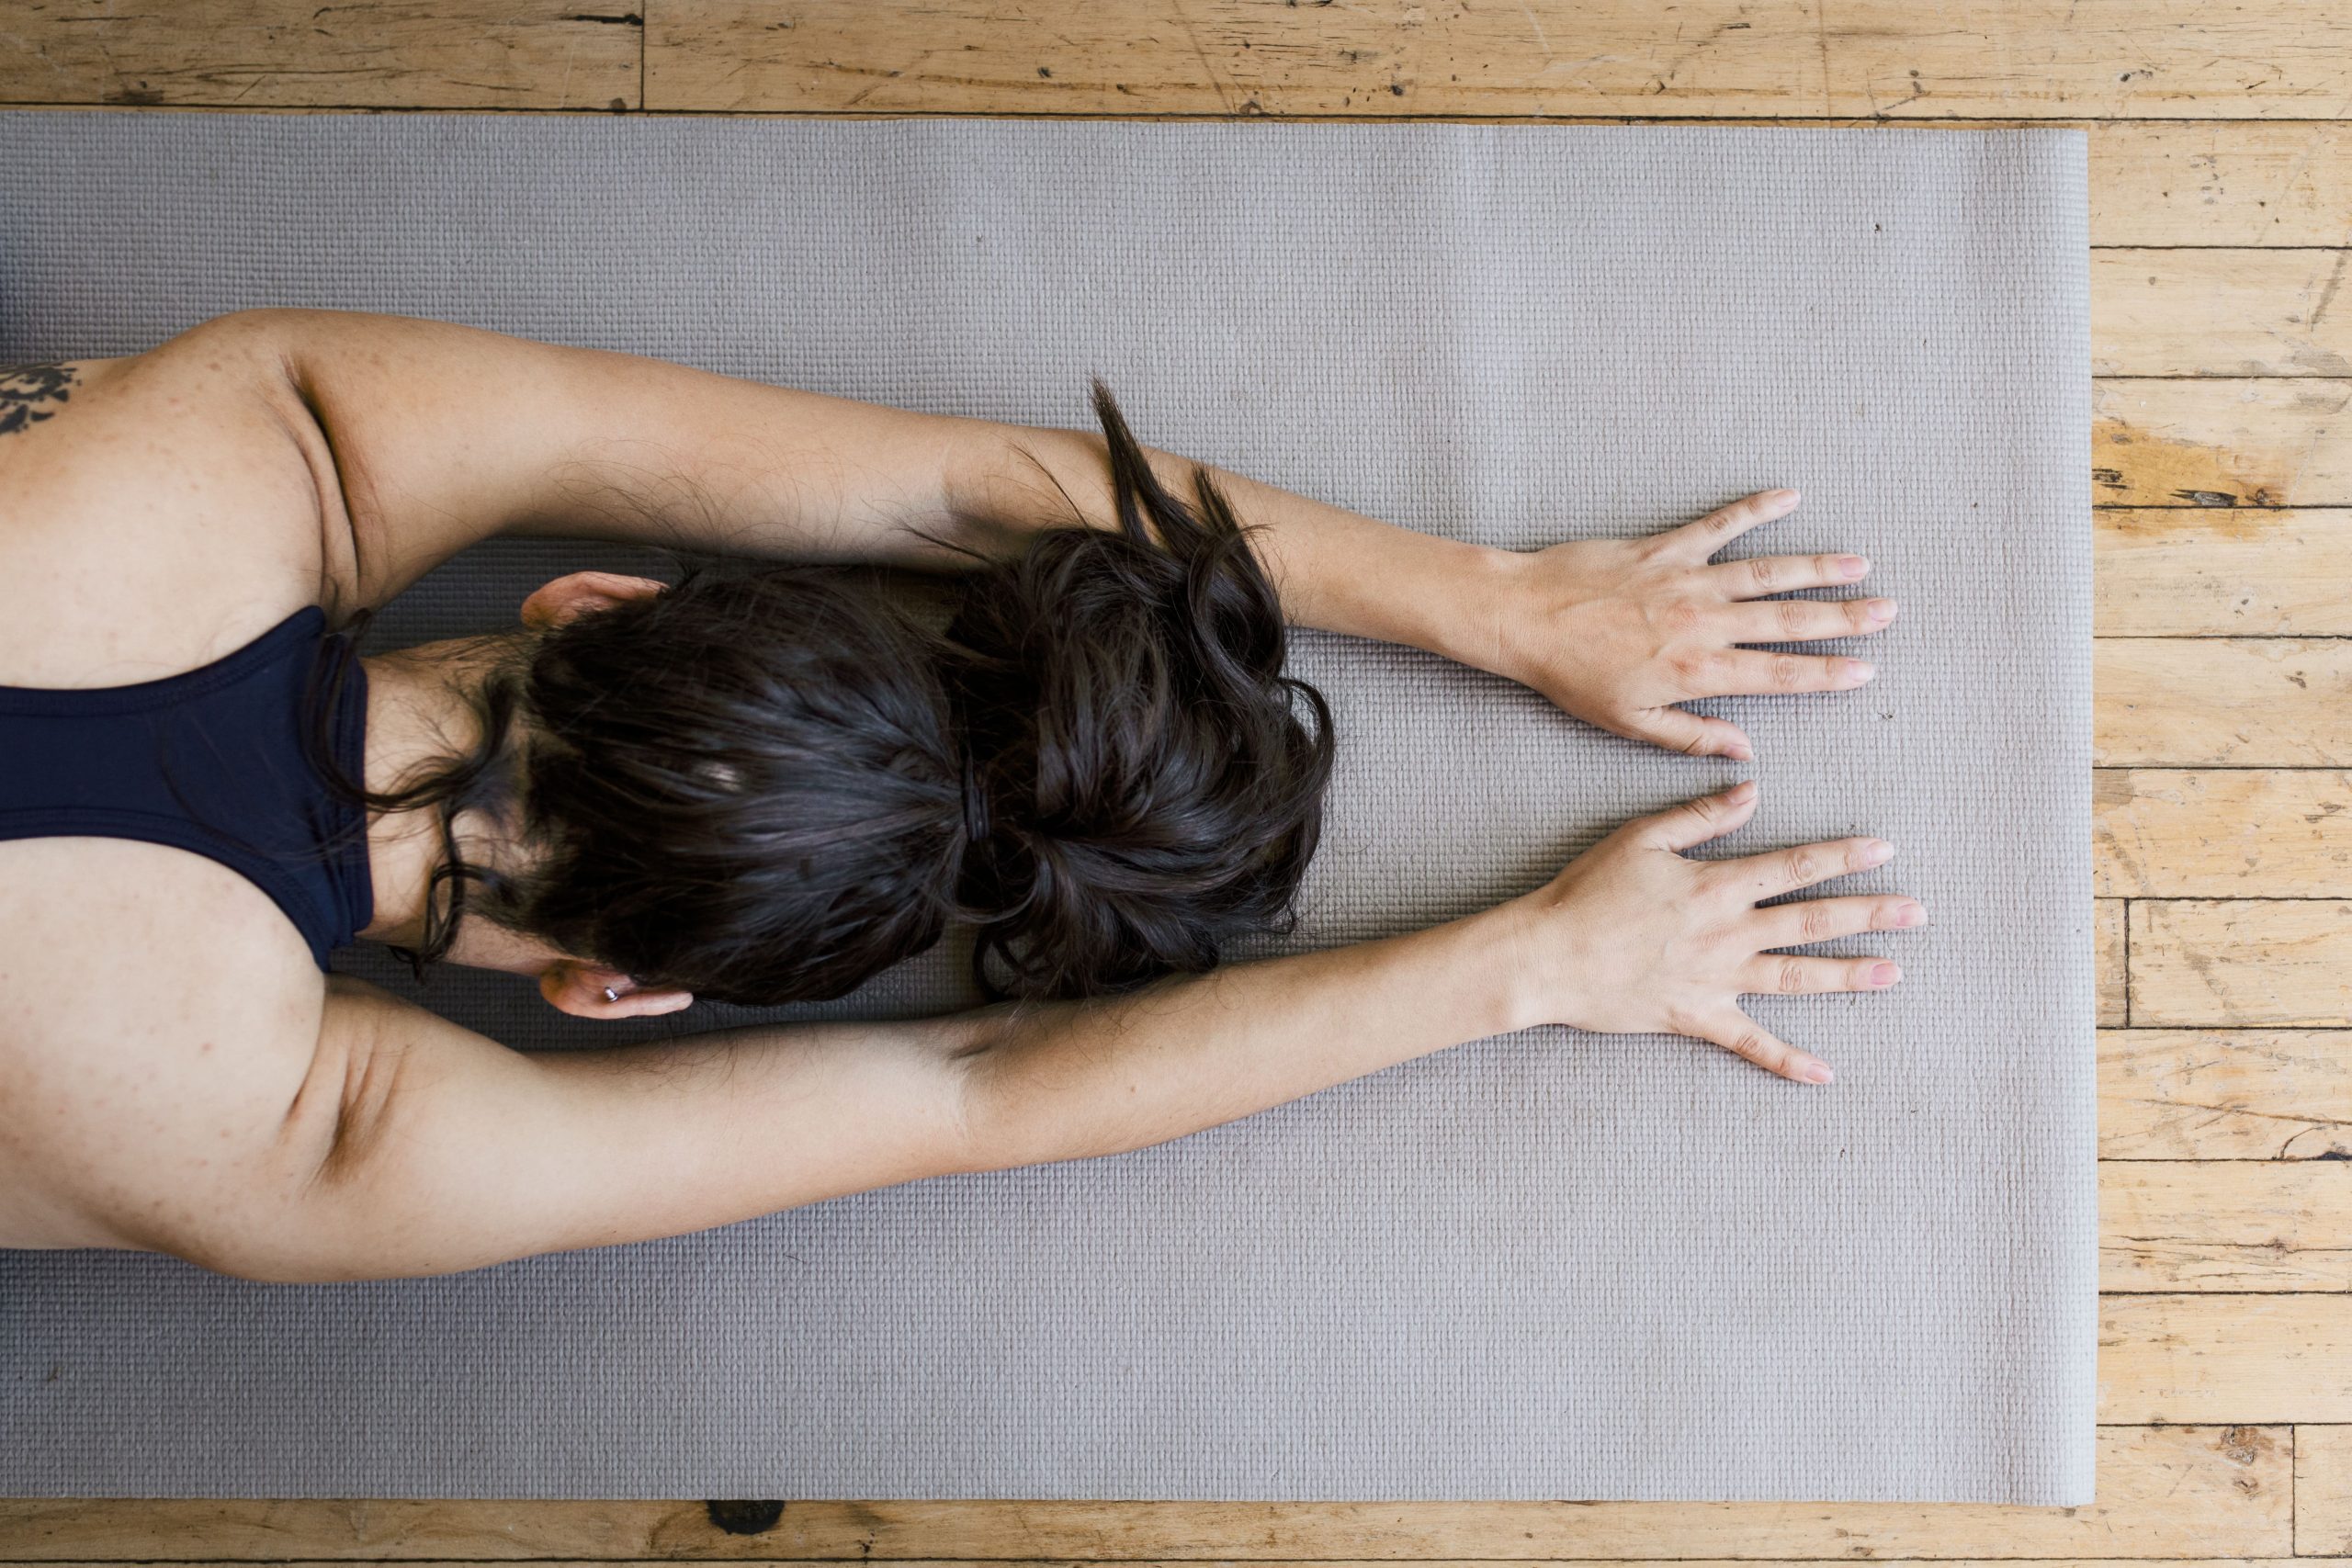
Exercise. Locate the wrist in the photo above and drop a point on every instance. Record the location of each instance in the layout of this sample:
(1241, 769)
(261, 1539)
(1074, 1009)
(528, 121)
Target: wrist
(1472, 613)
(1532, 979)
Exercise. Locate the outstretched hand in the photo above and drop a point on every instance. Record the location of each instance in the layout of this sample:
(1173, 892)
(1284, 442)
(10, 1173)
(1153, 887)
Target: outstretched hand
(1617, 631)
(1634, 939)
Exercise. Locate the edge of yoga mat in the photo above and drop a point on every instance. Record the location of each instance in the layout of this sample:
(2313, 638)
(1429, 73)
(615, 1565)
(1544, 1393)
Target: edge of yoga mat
(1546, 1266)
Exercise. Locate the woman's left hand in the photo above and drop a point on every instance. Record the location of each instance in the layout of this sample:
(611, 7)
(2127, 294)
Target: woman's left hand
(1617, 631)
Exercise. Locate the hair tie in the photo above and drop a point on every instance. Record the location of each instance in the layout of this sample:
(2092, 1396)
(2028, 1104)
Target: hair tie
(975, 804)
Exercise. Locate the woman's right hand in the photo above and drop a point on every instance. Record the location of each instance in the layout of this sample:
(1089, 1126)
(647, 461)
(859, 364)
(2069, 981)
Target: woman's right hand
(1634, 939)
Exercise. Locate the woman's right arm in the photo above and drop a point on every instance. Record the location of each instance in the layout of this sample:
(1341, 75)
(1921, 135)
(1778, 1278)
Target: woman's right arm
(419, 1147)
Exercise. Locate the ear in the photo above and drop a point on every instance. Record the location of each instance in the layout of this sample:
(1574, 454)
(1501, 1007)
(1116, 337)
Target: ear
(579, 989)
(552, 603)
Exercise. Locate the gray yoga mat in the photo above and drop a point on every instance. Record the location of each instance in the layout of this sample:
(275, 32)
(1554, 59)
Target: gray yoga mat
(1544, 1265)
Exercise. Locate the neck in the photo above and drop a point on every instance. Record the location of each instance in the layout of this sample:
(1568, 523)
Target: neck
(419, 713)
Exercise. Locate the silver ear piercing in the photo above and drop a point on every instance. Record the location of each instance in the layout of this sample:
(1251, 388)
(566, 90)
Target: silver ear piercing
(611, 995)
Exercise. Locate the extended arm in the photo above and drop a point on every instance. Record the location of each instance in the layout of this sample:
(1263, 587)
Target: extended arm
(439, 434)
(417, 1147)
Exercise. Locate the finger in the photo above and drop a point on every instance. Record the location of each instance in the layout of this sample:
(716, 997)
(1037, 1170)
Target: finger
(1785, 870)
(1818, 919)
(1793, 975)
(1803, 620)
(1743, 1036)
(1760, 575)
(1747, 672)
(1696, 821)
(1690, 734)
(1709, 533)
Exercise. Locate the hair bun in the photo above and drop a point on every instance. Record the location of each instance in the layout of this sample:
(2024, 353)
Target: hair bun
(1140, 788)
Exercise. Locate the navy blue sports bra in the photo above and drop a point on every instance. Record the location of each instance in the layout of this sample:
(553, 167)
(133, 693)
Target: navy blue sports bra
(211, 761)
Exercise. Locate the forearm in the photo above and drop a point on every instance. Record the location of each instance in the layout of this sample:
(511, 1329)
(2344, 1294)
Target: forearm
(1097, 1077)
(1336, 570)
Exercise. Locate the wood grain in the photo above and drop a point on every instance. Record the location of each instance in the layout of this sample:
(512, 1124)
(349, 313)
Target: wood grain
(2248, 1226)
(2222, 833)
(2221, 701)
(255, 54)
(2217, 1492)
(2281, 183)
(2257, 1094)
(2221, 1358)
(2221, 571)
(2220, 312)
(2239, 963)
(2324, 1491)
(2241, 442)
(2108, 931)
(1997, 59)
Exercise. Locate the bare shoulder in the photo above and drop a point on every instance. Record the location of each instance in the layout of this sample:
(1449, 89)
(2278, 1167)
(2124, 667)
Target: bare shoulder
(162, 1019)
(157, 510)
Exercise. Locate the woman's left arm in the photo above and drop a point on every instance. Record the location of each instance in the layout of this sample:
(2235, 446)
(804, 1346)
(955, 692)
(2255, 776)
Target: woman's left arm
(441, 435)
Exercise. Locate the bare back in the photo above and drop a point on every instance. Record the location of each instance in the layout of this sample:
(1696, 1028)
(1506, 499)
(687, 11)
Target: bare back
(161, 1010)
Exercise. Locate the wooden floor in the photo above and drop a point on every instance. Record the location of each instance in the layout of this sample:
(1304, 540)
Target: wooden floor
(2221, 147)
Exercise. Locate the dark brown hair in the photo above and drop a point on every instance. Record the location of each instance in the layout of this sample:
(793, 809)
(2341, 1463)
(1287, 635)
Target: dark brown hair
(765, 786)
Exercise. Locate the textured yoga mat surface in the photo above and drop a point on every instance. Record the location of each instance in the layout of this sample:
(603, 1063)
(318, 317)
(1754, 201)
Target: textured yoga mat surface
(1542, 1266)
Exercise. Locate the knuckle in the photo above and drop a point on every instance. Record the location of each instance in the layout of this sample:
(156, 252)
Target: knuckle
(1689, 669)
(1791, 978)
(1794, 615)
(1827, 567)
(1857, 614)
(1788, 672)
(1764, 572)
(1680, 1019)
(1817, 922)
(1757, 1047)
(1802, 865)
(1683, 617)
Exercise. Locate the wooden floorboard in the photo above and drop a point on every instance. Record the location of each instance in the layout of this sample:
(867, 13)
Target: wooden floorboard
(2170, 1491)
(1998, 58)
(2220, 144)
(2224, 1094)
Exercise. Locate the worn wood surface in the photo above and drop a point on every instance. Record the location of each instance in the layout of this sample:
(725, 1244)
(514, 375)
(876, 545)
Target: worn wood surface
(2220, 141)
(2222, 571)
(2261, 441)
(2245, 1225)
(510, 54)
(2217, 1357)
(2171, 1492)
(2222, 833)
(2232, 1094)
(2219, 312)
(2222, 702)
(1986, 58)
(2324, 1491)
(2284, 963)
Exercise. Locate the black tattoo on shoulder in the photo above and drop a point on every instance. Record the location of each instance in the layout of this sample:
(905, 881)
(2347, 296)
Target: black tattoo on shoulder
(25, 388)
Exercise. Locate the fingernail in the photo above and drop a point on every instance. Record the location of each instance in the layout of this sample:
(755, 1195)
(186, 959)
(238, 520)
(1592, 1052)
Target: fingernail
(1878, 852)
(1817, 1072)
(1784, 493)
(1884, 973)
(1853, 567)
(1911, 915)
(1882, 610)
(1738, 751)
(1743, 792)
(1858, 670)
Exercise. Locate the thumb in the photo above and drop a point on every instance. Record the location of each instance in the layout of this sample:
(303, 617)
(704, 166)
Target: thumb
(1695, 821)
(1679, 730)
